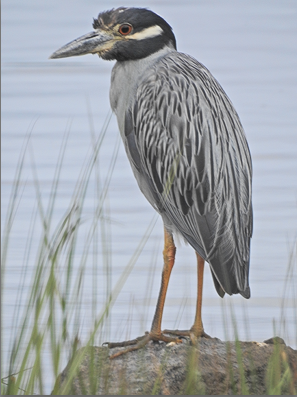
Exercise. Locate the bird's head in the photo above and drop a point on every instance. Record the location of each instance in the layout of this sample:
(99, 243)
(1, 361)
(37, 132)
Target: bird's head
(122, 34)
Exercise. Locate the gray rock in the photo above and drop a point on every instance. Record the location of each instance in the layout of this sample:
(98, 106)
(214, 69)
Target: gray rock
(210, 367)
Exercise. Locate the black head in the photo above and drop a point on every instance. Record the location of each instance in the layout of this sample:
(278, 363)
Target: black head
(122, 34)
(144, 32)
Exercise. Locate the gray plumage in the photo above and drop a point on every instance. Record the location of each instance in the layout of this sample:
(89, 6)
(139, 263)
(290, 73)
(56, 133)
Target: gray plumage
(189, 155)
(183, 138)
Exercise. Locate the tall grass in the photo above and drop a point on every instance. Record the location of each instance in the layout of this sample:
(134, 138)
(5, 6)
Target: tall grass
(47, 320)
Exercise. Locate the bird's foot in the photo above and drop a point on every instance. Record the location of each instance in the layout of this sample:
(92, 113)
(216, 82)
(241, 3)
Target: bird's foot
(193, 334)
(140, 342)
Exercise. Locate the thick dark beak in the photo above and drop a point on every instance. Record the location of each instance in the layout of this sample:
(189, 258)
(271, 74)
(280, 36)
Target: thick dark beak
(90, 43)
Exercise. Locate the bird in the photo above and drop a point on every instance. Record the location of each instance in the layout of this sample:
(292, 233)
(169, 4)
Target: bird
(187, 149)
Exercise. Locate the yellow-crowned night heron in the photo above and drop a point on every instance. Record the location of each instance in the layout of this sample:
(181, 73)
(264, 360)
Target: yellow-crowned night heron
(186, 147)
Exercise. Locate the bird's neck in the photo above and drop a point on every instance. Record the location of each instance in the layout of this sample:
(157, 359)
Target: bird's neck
(126, 77)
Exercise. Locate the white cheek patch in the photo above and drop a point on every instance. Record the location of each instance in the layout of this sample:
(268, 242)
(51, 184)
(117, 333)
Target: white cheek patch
(148, 33)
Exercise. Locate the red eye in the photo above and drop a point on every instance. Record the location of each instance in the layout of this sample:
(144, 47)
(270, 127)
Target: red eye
(125, 29)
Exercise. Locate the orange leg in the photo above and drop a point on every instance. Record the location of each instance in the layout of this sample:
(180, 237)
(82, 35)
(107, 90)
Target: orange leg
(155, 333)
(169, 257)
(197, 328)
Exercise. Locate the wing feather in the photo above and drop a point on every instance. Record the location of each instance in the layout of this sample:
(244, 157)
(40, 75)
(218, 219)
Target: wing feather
(190, 157)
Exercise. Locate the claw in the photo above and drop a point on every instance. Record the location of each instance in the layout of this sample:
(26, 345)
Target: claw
(140, 342)
(187, 333)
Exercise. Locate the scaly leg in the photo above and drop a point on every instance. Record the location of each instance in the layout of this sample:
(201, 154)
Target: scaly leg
(155, 334)
(197, 328)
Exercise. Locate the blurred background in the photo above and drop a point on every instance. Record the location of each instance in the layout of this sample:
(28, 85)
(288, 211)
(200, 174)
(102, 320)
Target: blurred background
(250, 46)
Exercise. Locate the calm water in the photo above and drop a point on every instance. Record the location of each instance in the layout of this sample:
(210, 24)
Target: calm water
(251, 48)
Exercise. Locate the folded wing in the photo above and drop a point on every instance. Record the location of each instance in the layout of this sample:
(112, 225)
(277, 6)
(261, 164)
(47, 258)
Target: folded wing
(189, 154)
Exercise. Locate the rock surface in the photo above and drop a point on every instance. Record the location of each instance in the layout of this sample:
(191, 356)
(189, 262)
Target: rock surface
(210, 367)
